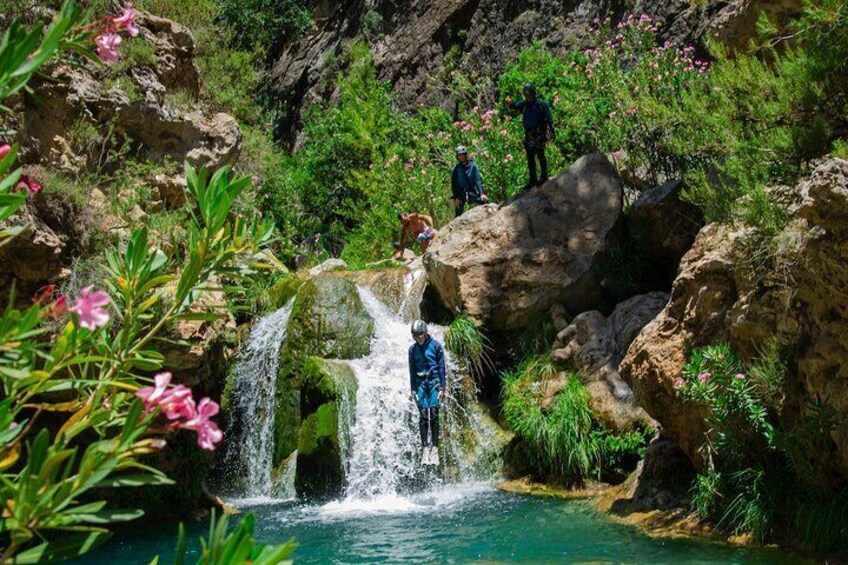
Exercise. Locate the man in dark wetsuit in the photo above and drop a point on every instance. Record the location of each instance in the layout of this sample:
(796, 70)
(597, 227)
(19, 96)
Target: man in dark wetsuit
(427, 382)
(538, 131)
(466, 184)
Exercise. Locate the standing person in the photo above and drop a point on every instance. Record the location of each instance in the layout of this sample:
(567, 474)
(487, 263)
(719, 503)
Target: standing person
(466, 184)
(427, 382)
(538, 131)
(415, 227)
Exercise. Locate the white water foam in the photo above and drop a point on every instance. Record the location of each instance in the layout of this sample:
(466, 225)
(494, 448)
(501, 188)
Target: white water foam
(253, 398)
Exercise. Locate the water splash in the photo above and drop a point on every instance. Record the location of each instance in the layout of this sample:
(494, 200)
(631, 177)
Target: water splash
(253, 398)
(383, 457)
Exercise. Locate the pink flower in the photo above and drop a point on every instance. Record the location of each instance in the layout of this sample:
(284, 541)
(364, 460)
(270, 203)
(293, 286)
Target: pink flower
(26, 183)
(504, 133)
(740, 376)
(820, 398)
(208, 433)
(508, 157)
(89, 308)
(151, 395)
(59, 308)
(127, 20)
(175, 403)
(107, 47)
(679, 383)
(409, 166)
(5, 149)
(704, 377)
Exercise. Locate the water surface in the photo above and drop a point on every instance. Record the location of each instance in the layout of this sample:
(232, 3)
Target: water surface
(459, 524)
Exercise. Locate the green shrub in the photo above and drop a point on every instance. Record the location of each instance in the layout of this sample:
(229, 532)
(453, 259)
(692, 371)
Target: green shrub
(768, 474)
(265, 25)
(465, 340)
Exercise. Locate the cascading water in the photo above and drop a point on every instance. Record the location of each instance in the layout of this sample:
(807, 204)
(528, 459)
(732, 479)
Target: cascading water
(383, 458)
(253, 398)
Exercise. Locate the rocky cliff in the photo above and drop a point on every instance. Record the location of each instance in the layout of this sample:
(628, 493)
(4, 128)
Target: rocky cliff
(733, 288)
(417, 44)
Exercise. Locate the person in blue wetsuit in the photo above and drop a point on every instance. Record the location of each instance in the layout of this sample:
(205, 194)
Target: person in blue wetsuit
(538, 131)
(466, 184)
(427, 383)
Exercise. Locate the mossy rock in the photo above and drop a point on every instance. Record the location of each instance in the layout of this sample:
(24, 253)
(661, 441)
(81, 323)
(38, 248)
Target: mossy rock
(283, 291)
(286, 421)
(322, 381)
(329, 320)
(319, 463)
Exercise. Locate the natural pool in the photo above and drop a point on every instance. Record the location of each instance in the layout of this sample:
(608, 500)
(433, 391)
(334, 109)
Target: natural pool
(457, 524)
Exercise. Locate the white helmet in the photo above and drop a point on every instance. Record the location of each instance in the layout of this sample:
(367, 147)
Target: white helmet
(462, 150)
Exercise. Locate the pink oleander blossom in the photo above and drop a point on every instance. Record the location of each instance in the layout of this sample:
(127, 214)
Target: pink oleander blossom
(175, 403)
(151, 395)
(200, 421)
(89, 308)
(127, 20)
(679, 383)
(704, 377)
(740, 376)
(5, 149)
(107, 47)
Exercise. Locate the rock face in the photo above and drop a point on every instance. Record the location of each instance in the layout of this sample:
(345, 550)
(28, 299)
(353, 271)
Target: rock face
(664, 228)
(504, 266)
(329, 320)
(77, 113)
(413, 42)
(593, 346)
(729, 291)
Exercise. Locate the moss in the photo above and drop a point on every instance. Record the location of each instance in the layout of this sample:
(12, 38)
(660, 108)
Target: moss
(319, 463)
(283, 291)
(330, 321)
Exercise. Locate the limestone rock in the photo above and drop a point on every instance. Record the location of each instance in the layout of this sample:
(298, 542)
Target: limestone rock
(726, 292)
(506, 265)
(328, 265)
(329, 320)
(664, 228)
(171, 189)
(593, 346)
(68, 100)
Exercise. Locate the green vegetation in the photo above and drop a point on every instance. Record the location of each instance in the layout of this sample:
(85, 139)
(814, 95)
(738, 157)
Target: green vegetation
(555, 420)
(265, 25)
(465, 340)
(226, 545)
(768, 472)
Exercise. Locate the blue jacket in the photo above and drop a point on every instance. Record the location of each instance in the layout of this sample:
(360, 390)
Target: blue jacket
(535, 114)
(428, 358)
(466, 184)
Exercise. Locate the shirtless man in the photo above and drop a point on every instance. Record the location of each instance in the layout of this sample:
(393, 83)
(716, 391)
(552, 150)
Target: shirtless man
(416, 227)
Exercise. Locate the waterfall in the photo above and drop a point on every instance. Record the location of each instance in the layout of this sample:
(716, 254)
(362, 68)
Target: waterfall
(383, 458)
(253, 398)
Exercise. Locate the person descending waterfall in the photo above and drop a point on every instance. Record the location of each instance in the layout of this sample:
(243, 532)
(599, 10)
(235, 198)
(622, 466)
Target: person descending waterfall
(538, 131)
(466, 185)
(427, 381)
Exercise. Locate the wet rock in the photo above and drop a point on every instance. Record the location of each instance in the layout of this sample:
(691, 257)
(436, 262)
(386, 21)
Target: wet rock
(593, 346)
(327, 266)
(329, 320)
(505, 266)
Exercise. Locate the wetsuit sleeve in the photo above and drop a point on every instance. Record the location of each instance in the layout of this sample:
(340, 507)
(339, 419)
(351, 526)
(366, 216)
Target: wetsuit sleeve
(440, 367)
(456, 190)
(549, 117)
(411, 370)
(478, 182)
(518, 105)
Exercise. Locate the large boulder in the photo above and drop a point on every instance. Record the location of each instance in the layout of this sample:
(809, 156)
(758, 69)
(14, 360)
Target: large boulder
(664, 228)
(729, 291)
(506, 265)
(593, 346)
(329, 320)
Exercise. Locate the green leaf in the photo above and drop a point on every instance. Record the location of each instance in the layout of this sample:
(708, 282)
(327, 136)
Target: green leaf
(135, 480)
(63, 548)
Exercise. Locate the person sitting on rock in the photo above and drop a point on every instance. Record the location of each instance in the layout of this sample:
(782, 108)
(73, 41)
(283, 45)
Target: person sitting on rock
(418, 227)
(538, 131)
(427, 381)
(466, 184)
